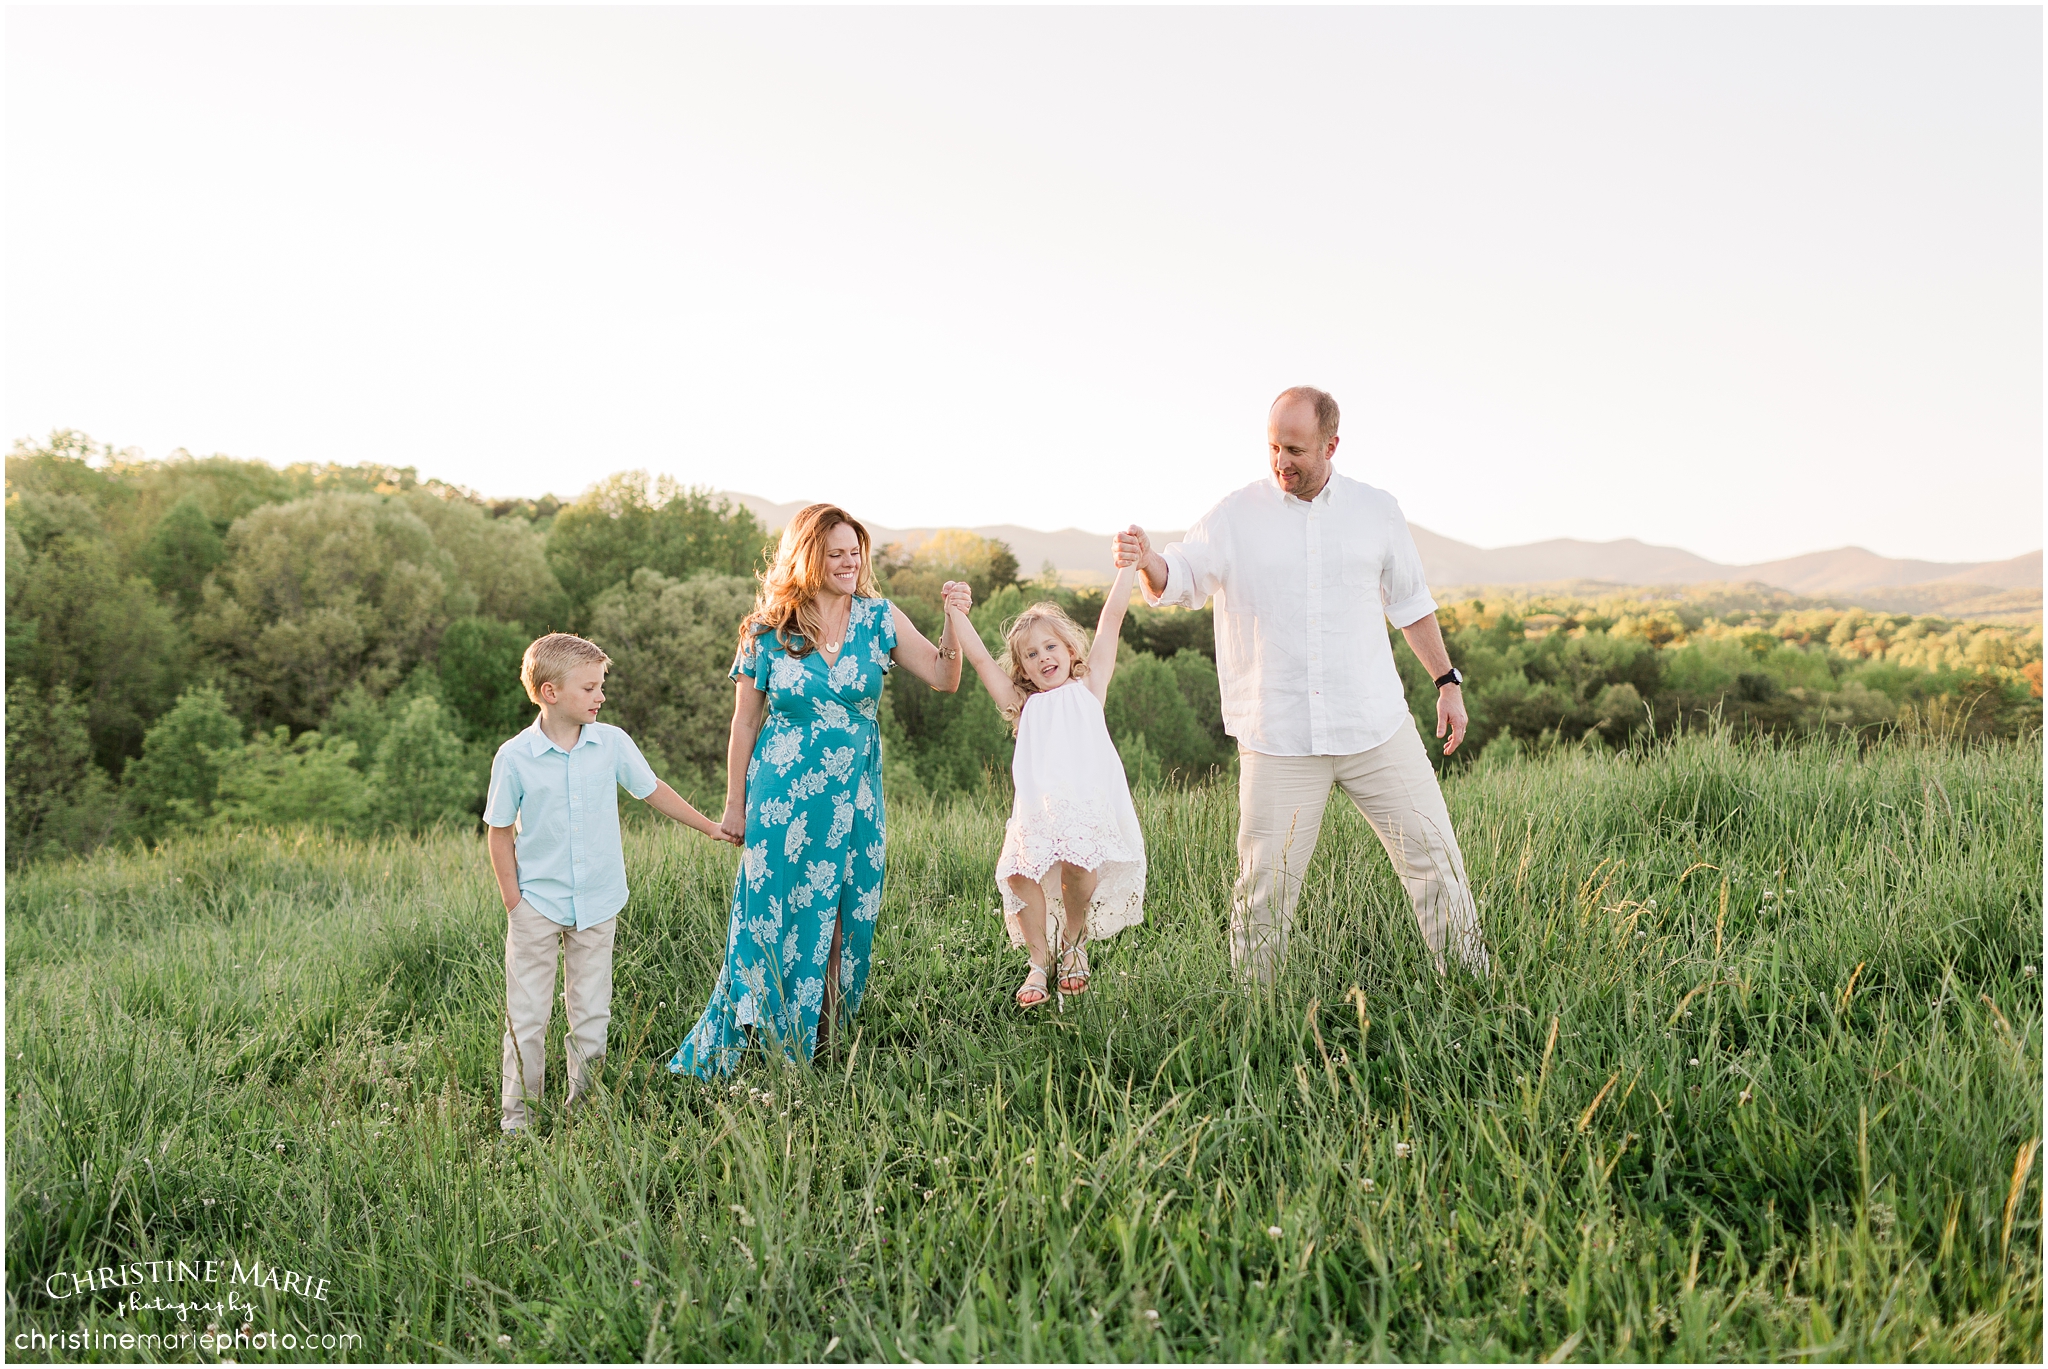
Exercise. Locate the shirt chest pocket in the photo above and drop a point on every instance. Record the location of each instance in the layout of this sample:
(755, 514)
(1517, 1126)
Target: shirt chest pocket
(1361, 564)
(545, 806)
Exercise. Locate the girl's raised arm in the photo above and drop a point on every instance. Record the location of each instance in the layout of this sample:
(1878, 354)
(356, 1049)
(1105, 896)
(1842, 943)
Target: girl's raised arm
(1000, 687)
(1102, 655)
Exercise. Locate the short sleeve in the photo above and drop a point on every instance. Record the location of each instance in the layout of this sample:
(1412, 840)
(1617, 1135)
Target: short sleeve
(752, 660)
(501, 807)
(634, 774)
(886, 634)
(1404, 588)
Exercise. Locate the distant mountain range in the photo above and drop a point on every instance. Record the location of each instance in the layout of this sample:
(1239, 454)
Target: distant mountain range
(1846, 572)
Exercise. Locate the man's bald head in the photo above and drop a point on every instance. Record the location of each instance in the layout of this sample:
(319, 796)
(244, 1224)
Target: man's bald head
(1325, 407)
(1301, 437)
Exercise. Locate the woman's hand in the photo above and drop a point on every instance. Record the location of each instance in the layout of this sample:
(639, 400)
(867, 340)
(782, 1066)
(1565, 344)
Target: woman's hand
(733, 826)
(957, 595)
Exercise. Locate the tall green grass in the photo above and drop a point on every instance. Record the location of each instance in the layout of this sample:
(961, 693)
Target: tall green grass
(1760, 1055)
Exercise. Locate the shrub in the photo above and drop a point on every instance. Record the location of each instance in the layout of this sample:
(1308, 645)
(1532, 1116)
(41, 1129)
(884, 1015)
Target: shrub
(174, 782)
(276, 781)
(424, 776)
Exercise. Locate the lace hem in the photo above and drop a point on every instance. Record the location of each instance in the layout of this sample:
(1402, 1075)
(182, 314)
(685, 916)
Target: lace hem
(1083, 835)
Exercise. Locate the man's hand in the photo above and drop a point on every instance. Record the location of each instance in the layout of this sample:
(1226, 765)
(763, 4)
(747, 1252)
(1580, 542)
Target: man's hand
(1450, 716)
(1133, 548)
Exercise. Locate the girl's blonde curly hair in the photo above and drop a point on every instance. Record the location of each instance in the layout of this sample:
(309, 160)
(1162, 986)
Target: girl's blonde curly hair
(1051, 616)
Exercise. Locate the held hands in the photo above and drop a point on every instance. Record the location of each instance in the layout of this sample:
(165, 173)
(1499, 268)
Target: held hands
(733, 826)
(957, 595)
(1130, 547)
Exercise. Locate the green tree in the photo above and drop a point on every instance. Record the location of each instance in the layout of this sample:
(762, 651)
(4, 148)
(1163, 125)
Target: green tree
(175, 780)
(424, 776)
(319, 594)
(181, 552)
(632, 520)
(501, 562)
(77, 619)
(1145, 699)
(672, 643)
(1200, 685)
(58, 801)
(479, 664)
(986, 563)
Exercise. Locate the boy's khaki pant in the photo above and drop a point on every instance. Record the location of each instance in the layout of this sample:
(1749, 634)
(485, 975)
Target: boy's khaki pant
(1280, 803)
(531, 943)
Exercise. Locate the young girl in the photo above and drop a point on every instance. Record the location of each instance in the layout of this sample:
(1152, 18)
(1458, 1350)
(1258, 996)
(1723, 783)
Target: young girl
(1073, 862)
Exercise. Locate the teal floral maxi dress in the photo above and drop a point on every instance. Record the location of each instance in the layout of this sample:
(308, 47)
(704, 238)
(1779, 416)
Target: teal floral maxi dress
(813, 857)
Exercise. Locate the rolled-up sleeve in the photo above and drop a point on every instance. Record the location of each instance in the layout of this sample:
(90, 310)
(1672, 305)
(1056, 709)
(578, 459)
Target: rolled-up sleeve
(501, 807)
(1194, 569)
(1404, 587)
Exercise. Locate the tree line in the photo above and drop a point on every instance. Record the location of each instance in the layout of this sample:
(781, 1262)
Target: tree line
(205, 642)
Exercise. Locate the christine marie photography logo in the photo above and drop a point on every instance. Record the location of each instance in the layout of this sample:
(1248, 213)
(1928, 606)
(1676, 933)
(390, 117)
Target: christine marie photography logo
(223, 1292)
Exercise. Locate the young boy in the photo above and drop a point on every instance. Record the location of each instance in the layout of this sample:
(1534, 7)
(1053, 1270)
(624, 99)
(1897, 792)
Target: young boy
(561, 869)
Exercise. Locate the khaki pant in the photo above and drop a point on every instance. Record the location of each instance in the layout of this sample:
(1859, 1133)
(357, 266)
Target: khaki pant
(531, 942)
(1280, 813)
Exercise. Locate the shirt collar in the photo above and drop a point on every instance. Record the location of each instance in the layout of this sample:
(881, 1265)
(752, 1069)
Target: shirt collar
(1322, 495)
(538, 743)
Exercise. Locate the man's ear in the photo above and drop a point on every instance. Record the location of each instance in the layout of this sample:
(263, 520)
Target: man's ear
(1330, 452)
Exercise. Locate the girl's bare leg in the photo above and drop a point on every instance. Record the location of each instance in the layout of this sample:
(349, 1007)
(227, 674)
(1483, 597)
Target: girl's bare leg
(1077, 890)
(1033, 917)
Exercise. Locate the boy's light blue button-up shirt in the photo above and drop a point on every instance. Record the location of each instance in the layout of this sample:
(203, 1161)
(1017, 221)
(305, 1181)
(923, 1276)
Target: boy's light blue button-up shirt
(572, 866)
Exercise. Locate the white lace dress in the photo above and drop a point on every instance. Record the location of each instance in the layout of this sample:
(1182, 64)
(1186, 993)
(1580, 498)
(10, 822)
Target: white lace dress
(1072, 805)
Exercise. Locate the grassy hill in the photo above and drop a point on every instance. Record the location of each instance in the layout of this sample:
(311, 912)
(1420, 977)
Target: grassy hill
(1758, 1076)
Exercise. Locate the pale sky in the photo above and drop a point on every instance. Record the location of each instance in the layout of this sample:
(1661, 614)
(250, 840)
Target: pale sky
(1752, 282)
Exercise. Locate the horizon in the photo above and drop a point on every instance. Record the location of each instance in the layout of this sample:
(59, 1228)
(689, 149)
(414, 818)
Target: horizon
(756, 502)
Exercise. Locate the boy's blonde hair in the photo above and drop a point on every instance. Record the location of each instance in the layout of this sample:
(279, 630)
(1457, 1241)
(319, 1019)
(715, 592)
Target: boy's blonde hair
(1051, 616)
(552, 657)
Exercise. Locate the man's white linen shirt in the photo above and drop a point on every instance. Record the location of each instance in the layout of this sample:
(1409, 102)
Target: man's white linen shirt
(1301, 587)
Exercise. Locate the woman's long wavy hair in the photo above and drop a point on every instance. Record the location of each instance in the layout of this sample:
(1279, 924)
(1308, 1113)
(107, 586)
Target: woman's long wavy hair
(787, 602)
(1055, 619)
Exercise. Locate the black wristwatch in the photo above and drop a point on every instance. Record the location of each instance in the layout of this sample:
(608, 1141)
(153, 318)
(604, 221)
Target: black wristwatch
(1451, 676)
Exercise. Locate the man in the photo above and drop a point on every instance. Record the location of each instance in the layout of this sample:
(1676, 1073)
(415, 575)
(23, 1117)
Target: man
(1302, 569)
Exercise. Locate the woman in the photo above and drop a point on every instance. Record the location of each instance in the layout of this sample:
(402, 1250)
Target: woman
(804, 789)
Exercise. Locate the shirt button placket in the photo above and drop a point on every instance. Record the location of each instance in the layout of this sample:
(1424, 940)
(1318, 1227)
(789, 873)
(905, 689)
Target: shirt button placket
(1314, 581)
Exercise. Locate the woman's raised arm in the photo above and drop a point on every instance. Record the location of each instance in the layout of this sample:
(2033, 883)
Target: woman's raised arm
(919, 656)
